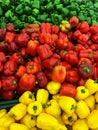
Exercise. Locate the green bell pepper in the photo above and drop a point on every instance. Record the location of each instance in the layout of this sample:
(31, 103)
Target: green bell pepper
(19, 9)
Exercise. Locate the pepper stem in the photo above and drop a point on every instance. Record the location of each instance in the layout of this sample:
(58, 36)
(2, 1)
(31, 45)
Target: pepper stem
(86, 69)
(35, 108)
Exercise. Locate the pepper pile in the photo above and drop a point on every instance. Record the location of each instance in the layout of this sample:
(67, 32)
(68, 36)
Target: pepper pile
(22, 12)
(67, 54)
(34, 112)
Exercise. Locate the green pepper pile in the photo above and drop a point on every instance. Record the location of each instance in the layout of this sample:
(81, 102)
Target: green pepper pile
(22, 12)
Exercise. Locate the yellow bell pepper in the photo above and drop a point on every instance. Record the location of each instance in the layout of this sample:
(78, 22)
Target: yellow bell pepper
(67, 104)
(69, 119)
(47, 122)
(27, 97)
(65, 26)
(18, 126)
(2, 112)
(82, 93)
(96, 97)
(80, 124)
(92, 119)
(92, 86)
(82, 109)
(90, 101)
(35, 108)
(53, 108)
(61, 127)
(3, 128)
(18, 111)
(28, 120)
(42, 95)
(6, 120)
(53, 87)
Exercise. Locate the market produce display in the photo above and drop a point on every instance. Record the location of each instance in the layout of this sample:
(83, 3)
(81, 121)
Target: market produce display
(22, 12)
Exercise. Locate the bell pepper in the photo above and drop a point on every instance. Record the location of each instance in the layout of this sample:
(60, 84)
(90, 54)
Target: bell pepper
(32, 67)
(2, 57)
(65, 26)
(13, 47)
(7, 95)
(21, 39)
(53, 87)
(69, 119)
(9, 37)
(27, 97)
(2, 34)
(44, 51)
(62, 43)
(52, 108)
(62, 127)
(42, 96)
(34, 36)
(32, 47)
(16, 58)
(4, 46)
(83, 39)
(35, 108)
(86, 53)
(90, 101)
(84, 27)
(94, 38)
(86, 70)
(80, 124)
(95, 55)
(67, 104)
(6, 120)
(47, 122)
(18, 111)
(1, 67)
(45, 28)
(10, 27)
(92, 119)
(55, 18)
(72, 76)
(42, 79)
(91, 85)
(74, 21)
(82, 109)
(94, 29)
(67, 90)
(3, 112)
(84, 60)
(27, 82)
(9, 83)
(55, 29)
(28, 120)
(32, 28)
(81, 93)
(21, 71)
(15, 126)
(66, 65)
(10, 67)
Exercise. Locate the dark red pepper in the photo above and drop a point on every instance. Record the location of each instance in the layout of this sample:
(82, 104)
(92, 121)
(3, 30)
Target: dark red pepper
(94, 38)
(4, 46)
(2, 57)
(2, 34)
(55, 29)
(1, 67)
(7, 95)
(34, 36)
(83, 39)
(10, 27)
(13, 47)
(94, 29)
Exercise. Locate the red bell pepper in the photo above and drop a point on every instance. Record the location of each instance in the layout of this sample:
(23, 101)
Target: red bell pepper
(13, 47)
(0, 84)
(94, 46)
(62, 34)
(94, 38)
(22, 39)
(26, 82)
(55, 29)
(32, 28)
(34, 36)
(72, 76)
(9, 83)
(86, 70)
(79, 47)
(62, 43)
(68, 90)
(21, 71)
(1, 67)
(10, 27)
(32, 47)
(9, 37)
(66, 65)
(84, 27)
(10, 67)
(86, 53)
(45, 28)
(45, 38)
(83, 39)
(84, 60)
(76, 34)
(7, 95)
(44, 51)
(2, 34)
(4, 47)
(81, 81)
(32, 67)
(42, 79)
(94, 29)
(74, 21)
(2, 57)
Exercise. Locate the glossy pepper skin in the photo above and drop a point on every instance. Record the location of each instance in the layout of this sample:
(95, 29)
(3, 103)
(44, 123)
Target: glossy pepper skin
(7, 95)
(45, 28)
(84, 27)
(86, 70)
(27, 82)
(21, 71)
(62, 43)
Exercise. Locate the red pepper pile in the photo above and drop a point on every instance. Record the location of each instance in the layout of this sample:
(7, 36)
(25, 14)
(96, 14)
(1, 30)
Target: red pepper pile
(39, 53)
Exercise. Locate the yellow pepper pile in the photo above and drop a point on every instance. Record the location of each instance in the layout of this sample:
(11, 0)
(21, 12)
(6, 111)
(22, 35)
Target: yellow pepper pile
(42, 112)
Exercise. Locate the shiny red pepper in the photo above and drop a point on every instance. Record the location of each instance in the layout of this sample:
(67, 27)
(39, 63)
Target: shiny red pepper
(9, 37)
(94, 38)
(45, 28)
(83, 39)
(34, 36)
(84, 27)
(32, 28)
(62, 43)
(86, 53)
(4, 46)
(7, 95)
(45, 38)
(21, 71)
(10, 27)
(55, 29)
(84, 60)
(2, 34)
(66, 65)
(94, 29)
(73, 21)
(1, 67)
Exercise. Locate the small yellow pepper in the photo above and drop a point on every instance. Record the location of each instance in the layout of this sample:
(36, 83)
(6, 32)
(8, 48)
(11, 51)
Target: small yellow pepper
(82, 93)
(18, 111)
(18, 126)
(82, 109)
(42, 95)
(92, 86)
(28, 120)
(65, 26)
(53, 108)
(67, 104)
(2, 112)
(96, 97)
(80, 124)
(92, 119)
(69, 119)
(90, 101)
(6, 120)
(53, 87)
(35, 108)
(3, 128)
(47, 122)
(27, 97)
